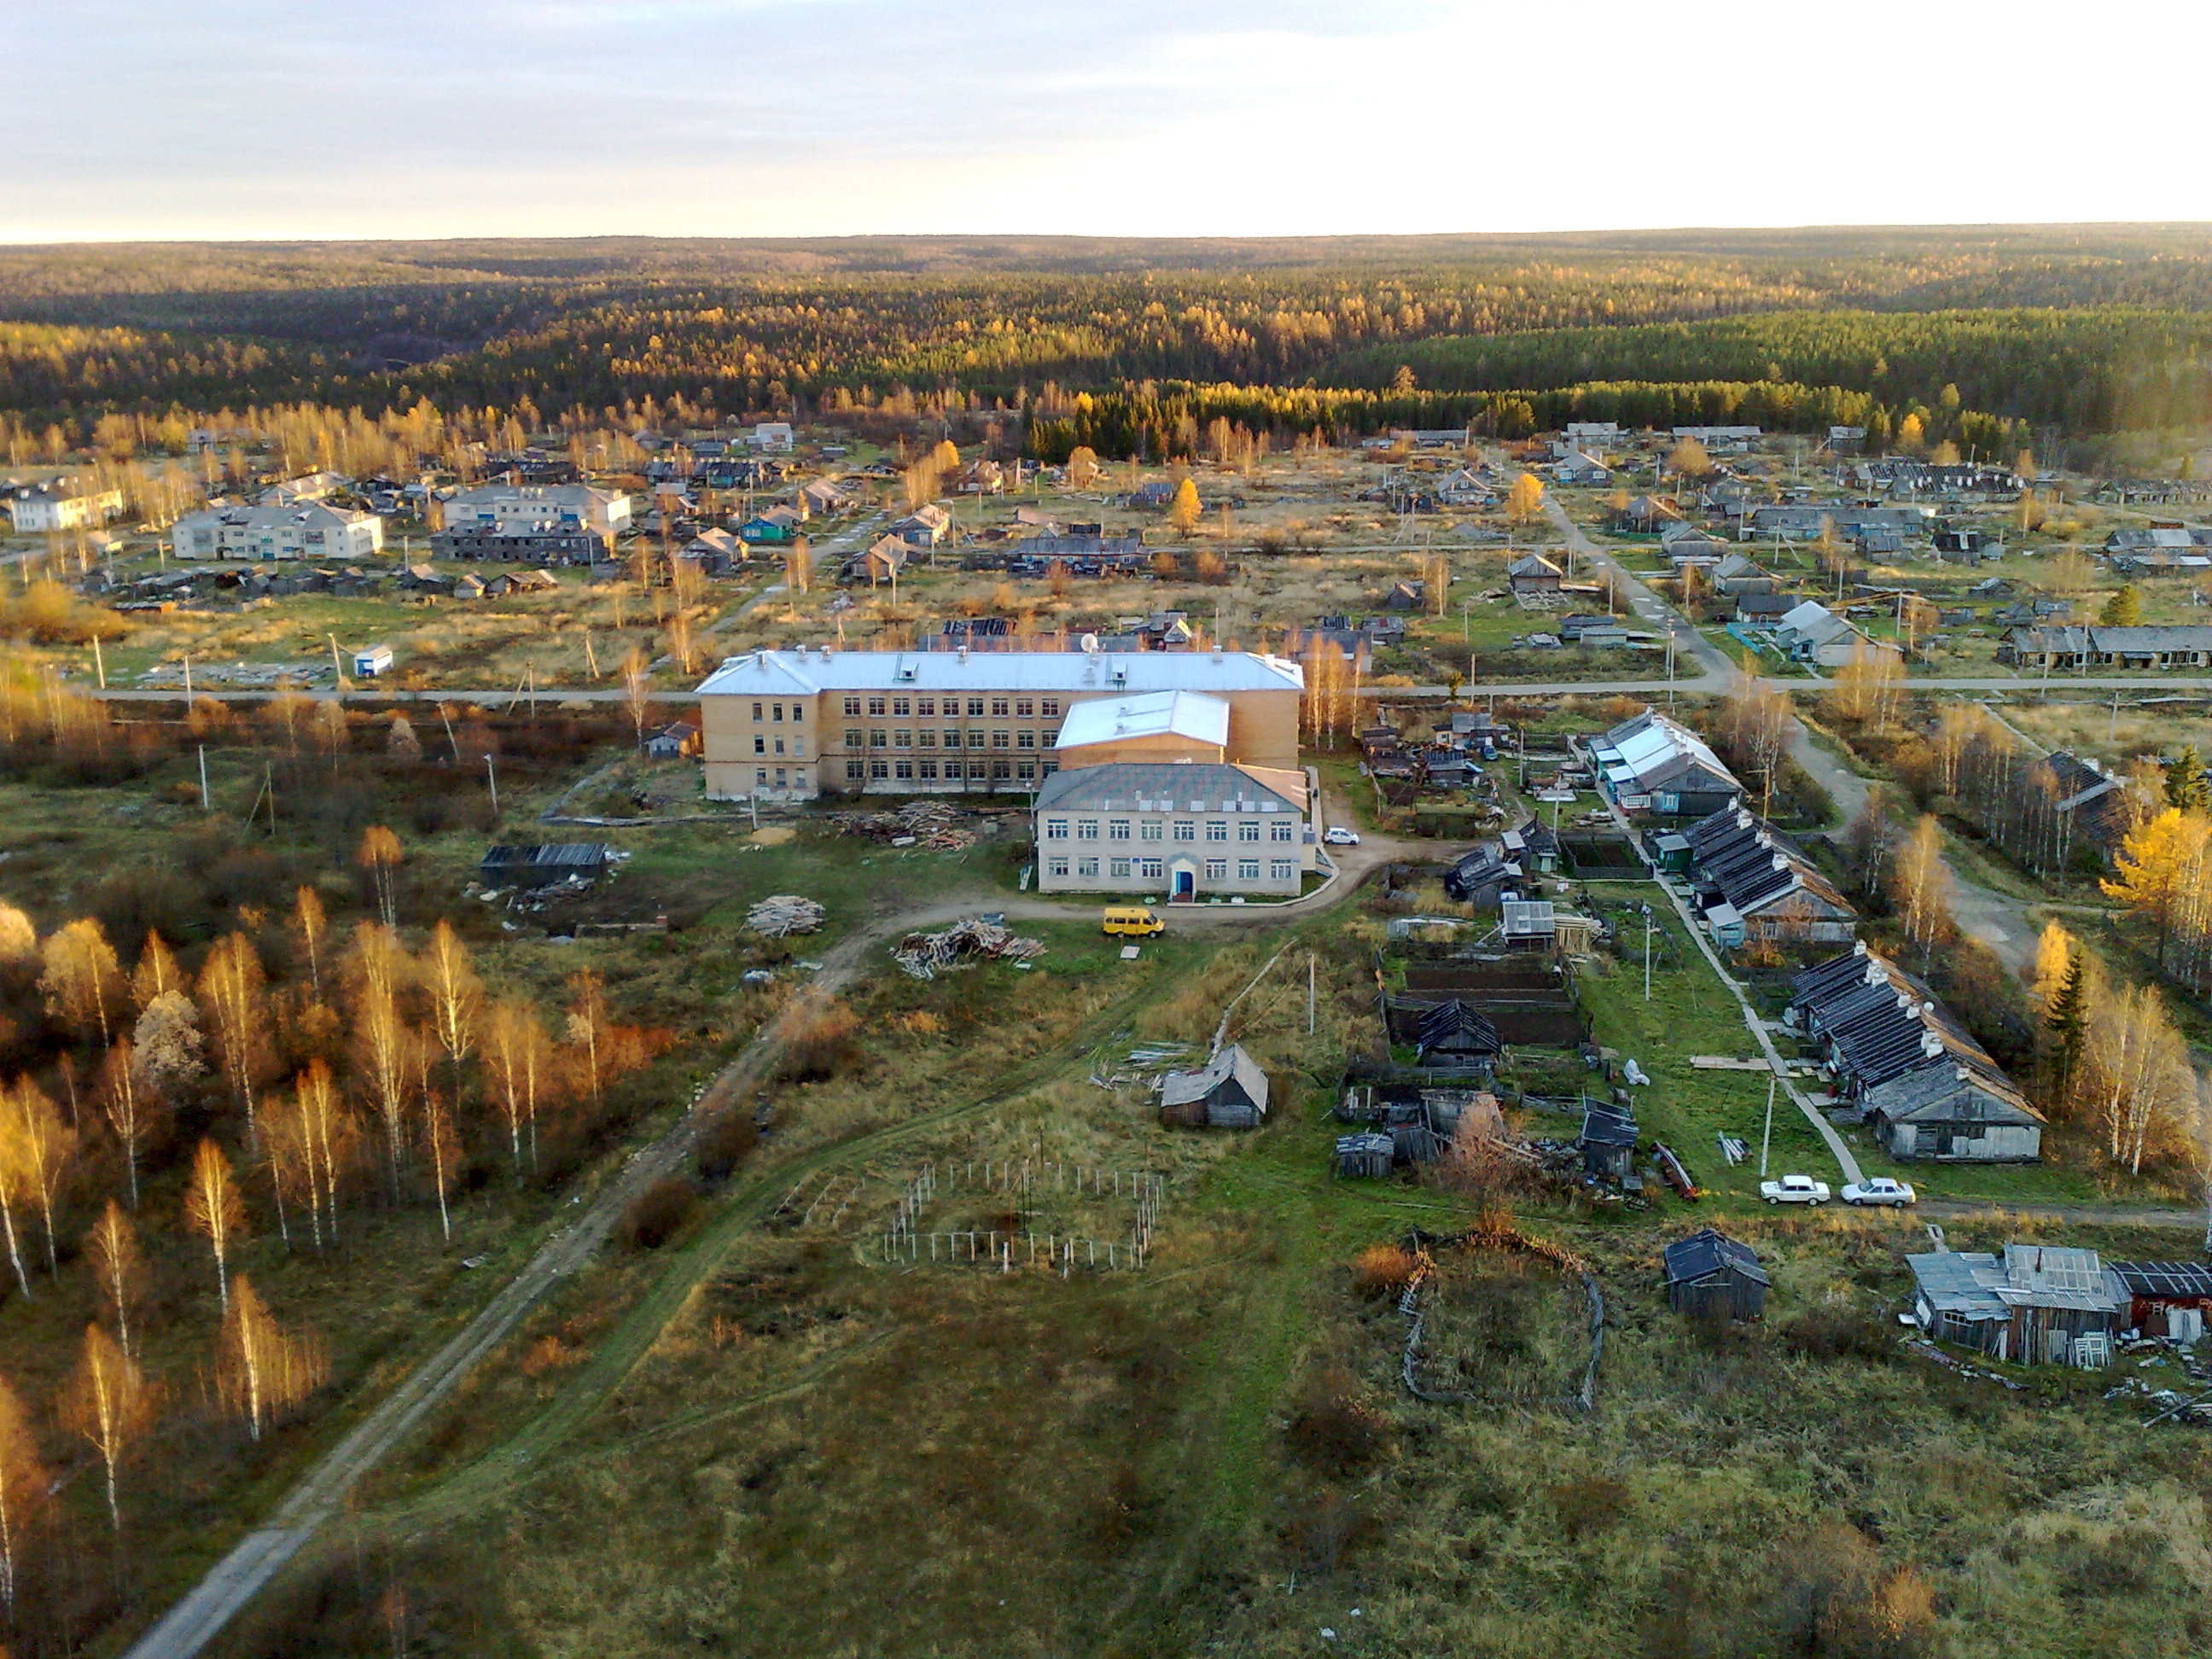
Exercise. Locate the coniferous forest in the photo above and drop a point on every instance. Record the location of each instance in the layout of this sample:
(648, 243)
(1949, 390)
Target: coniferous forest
(1131, 346)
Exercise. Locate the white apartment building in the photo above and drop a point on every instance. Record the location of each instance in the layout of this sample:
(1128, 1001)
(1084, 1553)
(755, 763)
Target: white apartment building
(43, 510)
(307, 530)
(1181, 830)
(515, 509)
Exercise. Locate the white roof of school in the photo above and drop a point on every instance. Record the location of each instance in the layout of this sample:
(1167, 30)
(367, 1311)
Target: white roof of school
(1190, 715)
(786, 673)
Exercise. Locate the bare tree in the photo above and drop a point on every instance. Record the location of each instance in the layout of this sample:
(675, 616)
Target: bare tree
(214, 1210)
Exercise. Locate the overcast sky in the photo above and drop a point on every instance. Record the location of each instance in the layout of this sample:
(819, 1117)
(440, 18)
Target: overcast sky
(236, 118)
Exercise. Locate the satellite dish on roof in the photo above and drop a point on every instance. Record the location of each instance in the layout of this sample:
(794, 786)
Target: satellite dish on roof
(1090, 643)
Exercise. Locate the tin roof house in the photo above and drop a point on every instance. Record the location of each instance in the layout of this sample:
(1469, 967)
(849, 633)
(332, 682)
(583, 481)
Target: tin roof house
(2035, 1305)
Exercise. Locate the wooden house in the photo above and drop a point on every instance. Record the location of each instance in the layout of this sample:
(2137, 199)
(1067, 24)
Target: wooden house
(1230, 1092)
(1711, 1275)
(2036, 1305)
(1532, 573)
(544, 864)
(2167, 1298)
(1407, 596)
(1776, 894)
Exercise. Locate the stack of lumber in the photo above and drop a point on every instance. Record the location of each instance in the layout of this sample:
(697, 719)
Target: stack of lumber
(781, 915)
(922, 955)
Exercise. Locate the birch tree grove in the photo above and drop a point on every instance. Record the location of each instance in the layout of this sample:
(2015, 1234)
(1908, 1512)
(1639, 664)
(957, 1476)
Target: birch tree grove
(519, 1055)
(259, 1371)
(109, 1405)
(214, 1210)
(25, 1489)
(2136, 1079)
(1920, 887)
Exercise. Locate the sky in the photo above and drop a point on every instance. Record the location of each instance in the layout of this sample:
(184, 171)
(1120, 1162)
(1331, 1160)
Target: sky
(221, 119)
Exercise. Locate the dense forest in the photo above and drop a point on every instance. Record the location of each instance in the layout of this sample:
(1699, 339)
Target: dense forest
(2091, 328)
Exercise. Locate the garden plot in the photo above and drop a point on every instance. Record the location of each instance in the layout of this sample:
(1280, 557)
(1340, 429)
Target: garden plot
(1027, 1213)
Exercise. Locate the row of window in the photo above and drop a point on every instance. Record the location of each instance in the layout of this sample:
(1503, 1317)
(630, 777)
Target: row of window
(926, 771)
(760, 745)
(1282, 829)
(1023, 708)
(1152, 869)
(899, 737)
(798, 713)
(785, 778)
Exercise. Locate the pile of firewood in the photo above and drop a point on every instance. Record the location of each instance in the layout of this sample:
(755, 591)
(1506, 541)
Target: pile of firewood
(781, 915)
(926, 823)
(922, 955)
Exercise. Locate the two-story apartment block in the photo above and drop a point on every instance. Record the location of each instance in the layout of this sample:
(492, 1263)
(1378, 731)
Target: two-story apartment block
(515, 507)
(37, 511)
(1181, 830)
(794, 725)
(305, 530)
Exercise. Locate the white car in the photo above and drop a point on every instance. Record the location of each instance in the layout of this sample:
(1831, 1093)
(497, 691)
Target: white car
(1794, 1189)
(1880, 1190)
(1341, 837)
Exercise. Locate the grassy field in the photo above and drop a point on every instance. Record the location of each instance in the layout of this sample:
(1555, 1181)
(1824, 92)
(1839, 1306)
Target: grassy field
(807, 1451)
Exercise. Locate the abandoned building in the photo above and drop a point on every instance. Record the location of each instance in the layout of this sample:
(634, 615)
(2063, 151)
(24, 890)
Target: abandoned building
(1711, 1275)
(2036, 1305)
(1607, 1141)
(1453, 1034)
(543, 865)
(1230, 1092)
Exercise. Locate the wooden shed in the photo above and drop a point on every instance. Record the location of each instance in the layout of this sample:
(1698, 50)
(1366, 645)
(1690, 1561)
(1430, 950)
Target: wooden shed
(1708, 1275)
(1607, 1141)
(1453, 1034)
(1367, 1154)
(1230, 1092)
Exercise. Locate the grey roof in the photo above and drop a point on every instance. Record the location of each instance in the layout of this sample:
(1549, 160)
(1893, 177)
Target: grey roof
(1706, 1252)
(1186, 1088)
(806, 672)
(1173, 786)
(1952, 1282)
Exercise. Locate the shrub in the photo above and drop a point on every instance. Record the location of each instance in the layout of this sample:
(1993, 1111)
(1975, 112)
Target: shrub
(1382, 1270)
(1837, 1333)
(656, 1214)
(724, 1144)
(1334, 1431)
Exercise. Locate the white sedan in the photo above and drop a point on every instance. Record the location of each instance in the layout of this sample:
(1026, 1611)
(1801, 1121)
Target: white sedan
(1794, 1189)
(1880, 1190)
(1340, 836)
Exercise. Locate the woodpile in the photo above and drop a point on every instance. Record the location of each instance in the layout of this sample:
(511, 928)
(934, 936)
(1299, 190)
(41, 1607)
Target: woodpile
(922, 955)
(781, 915)
(925, 823)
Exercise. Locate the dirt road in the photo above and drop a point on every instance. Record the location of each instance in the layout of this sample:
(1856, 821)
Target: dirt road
(235, 1580)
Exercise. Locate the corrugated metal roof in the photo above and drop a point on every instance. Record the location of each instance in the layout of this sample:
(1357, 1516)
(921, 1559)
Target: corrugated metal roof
(1174, 787)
